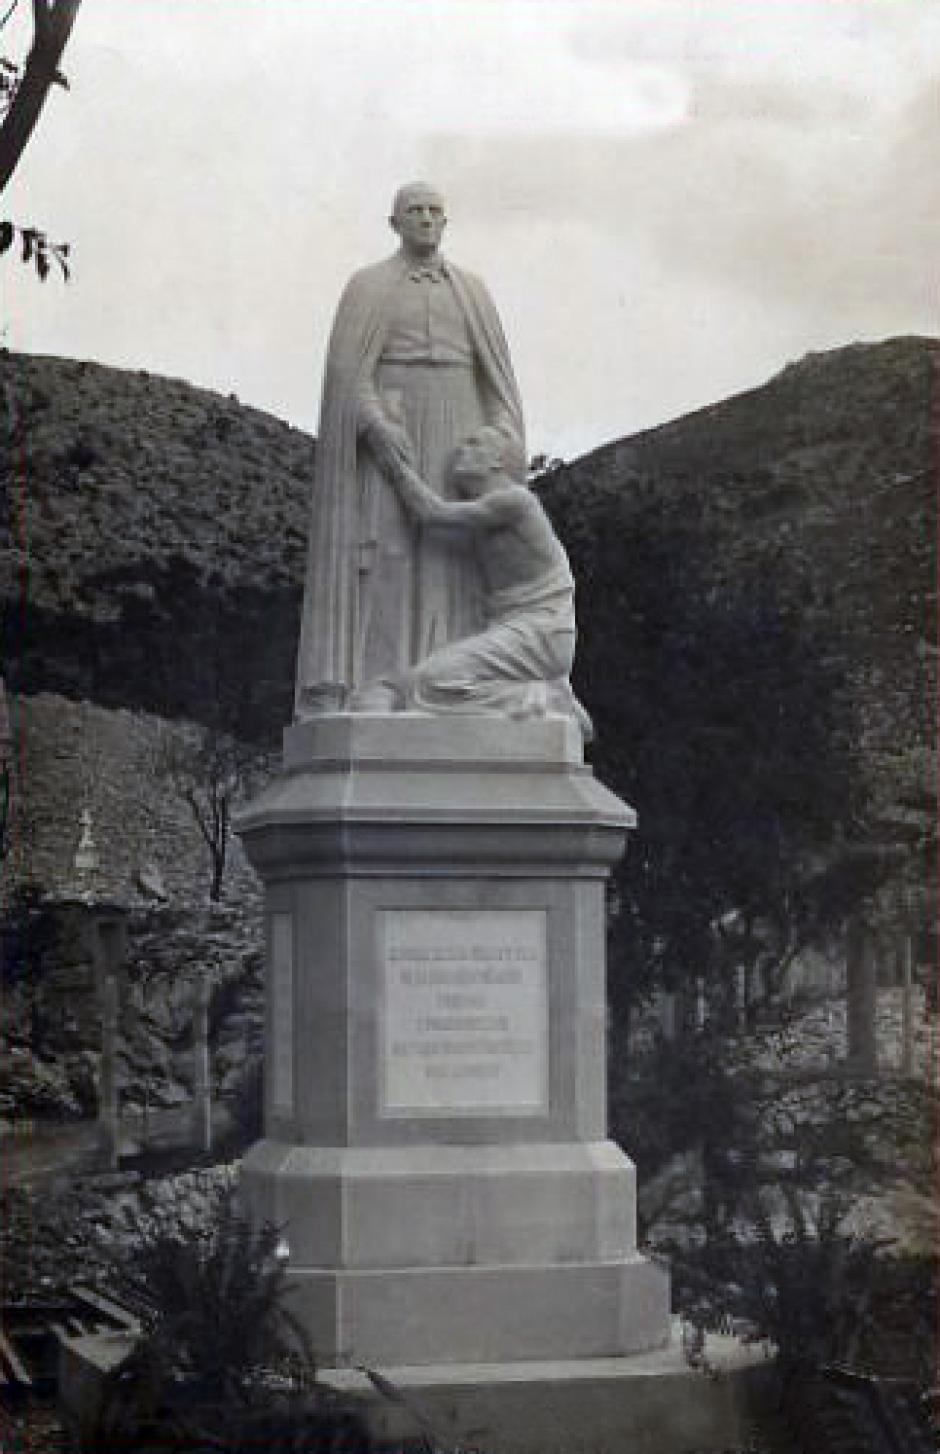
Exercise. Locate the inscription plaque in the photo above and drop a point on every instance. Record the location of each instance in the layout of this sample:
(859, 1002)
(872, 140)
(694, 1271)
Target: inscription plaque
(465, 1012)
(282, 1012)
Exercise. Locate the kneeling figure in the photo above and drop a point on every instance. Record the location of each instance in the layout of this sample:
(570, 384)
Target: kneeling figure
(518, 665)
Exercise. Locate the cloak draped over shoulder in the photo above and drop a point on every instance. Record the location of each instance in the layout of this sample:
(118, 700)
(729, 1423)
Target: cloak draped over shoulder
(330, 656)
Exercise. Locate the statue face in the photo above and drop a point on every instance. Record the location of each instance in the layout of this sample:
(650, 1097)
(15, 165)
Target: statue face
(476, 458)
(419, 219)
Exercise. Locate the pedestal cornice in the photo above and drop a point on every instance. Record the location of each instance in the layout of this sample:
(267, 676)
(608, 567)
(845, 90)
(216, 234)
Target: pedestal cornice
(444, 794)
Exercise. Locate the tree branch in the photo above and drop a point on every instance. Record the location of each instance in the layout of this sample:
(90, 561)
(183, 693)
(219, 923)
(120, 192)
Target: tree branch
(53, 21)
(202, 822)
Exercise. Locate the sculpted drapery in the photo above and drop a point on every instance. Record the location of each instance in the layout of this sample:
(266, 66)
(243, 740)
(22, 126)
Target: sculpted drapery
(379, 595)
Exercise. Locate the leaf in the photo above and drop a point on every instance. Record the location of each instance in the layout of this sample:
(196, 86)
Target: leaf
(7, 234)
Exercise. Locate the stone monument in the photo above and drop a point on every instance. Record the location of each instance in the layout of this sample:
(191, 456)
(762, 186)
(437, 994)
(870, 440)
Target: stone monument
(434, 854)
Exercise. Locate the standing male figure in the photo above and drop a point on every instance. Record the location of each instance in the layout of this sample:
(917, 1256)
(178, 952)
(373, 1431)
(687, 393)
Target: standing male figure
(417, 360)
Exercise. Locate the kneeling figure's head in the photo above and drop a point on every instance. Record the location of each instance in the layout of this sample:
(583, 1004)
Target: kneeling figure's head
(477, 459)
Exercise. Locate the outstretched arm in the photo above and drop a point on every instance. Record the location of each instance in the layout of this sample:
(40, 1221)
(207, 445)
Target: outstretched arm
(493, 509)
(417, 498)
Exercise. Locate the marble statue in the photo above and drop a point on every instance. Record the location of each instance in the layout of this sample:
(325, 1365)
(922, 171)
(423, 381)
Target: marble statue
(518, 663)
(416, 362)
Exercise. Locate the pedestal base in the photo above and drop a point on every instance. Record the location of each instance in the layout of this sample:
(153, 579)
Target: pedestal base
(651, 1403)
(524, 1251)
(435, 1130)
(587, 1310)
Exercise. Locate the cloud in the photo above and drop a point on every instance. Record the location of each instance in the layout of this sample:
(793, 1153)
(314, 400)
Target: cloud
(765, 102)
(820, 203)
(837, 218)
(870, 45)
(669, 198)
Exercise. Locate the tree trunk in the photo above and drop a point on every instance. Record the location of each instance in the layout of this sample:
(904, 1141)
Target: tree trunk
(862, 999)
(907, 1006)
(218, 873)
(53, 20)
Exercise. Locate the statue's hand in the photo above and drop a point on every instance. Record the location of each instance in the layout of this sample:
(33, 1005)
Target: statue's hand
(391, 449)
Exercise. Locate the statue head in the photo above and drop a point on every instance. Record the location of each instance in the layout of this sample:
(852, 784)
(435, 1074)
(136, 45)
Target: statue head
(477, 458)
(418, 218)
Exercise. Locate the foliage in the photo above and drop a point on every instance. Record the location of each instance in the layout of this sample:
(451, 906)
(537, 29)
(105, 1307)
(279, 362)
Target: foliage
(541, 465)
(36, 248)
(23, 94)
(222, 1364)
(838, 1410)
(726, 725)
(6, 772)
(6, 791)
(688, 1099)
(209, 769)
(29, 934)
(10, 74)
(40, 948)
(795, 1274)
(769, 660)
(733, 724)
(775, 1244)
(734, 1113)
(35, 941)
(281, 1413)
(210, 1290)
(285, 1422)
(805, 1284)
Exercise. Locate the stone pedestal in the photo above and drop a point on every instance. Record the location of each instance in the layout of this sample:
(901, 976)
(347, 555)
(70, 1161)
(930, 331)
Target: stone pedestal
(435, 1127)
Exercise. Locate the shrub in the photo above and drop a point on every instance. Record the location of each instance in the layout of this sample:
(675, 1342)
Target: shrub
(820, 1293)
(210, 1291)
(222, 1363)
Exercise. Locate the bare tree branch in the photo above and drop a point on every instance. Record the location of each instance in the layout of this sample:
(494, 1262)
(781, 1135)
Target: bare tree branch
(53, 21)
(208, 769)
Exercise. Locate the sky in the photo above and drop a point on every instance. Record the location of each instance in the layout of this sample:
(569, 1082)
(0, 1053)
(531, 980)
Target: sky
(668, 199)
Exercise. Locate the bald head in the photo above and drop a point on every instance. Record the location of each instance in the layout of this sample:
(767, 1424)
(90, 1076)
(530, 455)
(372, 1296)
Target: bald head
(418, 218)
(415, 192)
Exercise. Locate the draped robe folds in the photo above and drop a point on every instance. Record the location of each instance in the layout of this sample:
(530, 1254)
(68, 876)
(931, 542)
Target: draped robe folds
(517, 666)
(345, 522)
